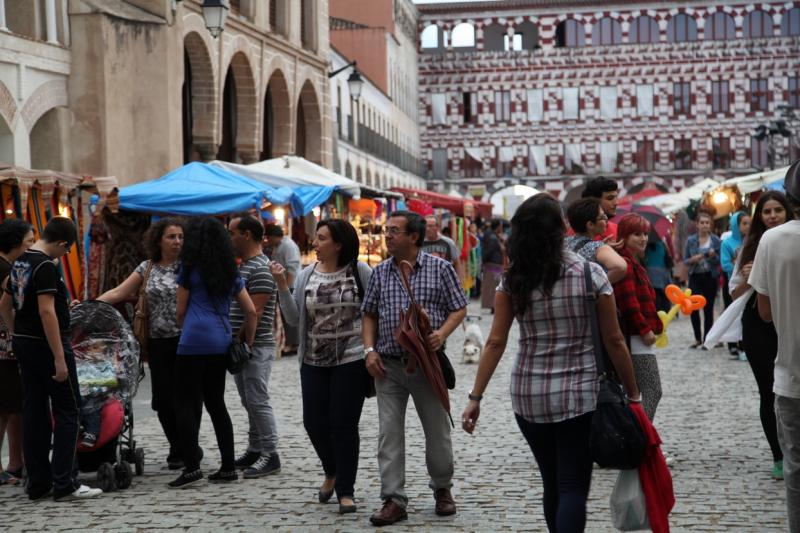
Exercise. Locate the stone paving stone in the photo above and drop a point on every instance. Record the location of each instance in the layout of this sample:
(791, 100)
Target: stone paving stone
(708, 419)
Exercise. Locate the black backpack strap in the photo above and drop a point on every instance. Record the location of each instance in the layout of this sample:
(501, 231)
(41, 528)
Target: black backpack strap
(591, 309)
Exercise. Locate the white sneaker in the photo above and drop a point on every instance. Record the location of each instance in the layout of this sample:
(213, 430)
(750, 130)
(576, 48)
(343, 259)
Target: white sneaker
(669, 460)
(80, 493)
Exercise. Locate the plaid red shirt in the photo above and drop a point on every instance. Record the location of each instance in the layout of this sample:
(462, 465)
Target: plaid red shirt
(636, 300)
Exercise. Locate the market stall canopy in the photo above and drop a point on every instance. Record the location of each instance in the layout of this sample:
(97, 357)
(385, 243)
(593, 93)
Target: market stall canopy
(674, 202)
(445, 201)
(757, 181)
(201, 189)
(299, 174)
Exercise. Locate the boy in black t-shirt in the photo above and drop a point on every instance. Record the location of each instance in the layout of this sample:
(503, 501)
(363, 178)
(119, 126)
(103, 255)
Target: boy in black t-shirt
(36, 302)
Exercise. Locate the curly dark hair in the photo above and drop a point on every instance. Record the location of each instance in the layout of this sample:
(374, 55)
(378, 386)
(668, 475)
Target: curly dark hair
(151, 240)
(208, 247)
(757, 226)
(12, 233)
(535, 249)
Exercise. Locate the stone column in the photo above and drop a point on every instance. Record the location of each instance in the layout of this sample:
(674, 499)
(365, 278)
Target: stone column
(207, 151)
(3, 15)
(65, 21)
(248, 157)
(50, 16)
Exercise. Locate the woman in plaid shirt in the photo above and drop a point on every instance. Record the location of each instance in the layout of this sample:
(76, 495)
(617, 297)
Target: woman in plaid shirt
(554, 378)
(636, 301)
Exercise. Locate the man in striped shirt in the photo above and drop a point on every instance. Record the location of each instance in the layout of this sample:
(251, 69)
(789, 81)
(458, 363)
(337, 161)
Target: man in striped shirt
(261, 457)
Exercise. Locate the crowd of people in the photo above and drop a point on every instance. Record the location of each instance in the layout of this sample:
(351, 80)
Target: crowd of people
(208, 286)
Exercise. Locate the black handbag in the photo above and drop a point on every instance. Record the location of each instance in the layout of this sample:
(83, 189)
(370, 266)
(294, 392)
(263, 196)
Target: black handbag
(238, 357)
(448, 372)
(616, 439)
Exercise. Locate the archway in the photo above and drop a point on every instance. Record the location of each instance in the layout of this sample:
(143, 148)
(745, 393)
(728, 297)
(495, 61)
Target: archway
(276, 140)
(199, 105)
(6, 142)
(48, 141)
(506, 200)
(493, 37)
(239, 122)
(309, 125)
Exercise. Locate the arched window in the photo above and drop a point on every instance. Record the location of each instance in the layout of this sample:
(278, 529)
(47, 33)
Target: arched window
(463, 36)
(720, 27)
(493, 37)
(529, 33)
(606, 31)
(790, 23)
(570, 34)
(757, 24)
(681, 28)
(430, 37)
(643, 30)
(348, 170)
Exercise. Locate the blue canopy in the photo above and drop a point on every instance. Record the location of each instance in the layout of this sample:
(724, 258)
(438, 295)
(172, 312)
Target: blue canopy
(200, 189)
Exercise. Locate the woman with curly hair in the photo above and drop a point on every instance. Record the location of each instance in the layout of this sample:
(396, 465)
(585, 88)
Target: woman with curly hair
(162, 242)
(759, 338)
(207, 282)
(554, 381)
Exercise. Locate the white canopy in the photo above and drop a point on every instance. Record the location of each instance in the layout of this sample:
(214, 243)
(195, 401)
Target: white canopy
(290, 170)
(672, 203)
(757, 181)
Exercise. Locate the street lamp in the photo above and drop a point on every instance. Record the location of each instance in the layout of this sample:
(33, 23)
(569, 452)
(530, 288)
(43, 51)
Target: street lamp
(215, 12)
(354, 82)
(776, 128)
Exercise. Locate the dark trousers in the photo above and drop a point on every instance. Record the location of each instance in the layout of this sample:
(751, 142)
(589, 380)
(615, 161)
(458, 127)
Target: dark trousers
(561, 451)
(707, 285)
(760, 343)
(41, 397)
(200, 380)
(332, 400)
(662, 302)
(162, 376)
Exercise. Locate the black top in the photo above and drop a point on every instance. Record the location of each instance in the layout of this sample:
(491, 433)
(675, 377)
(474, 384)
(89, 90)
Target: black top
(5, 268)
(36, 273)
(490, 247)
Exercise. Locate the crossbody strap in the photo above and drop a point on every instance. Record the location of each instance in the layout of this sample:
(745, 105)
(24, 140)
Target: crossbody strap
(591, 308)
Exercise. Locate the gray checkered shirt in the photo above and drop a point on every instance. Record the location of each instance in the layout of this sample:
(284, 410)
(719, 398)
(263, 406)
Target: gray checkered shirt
(435, 287)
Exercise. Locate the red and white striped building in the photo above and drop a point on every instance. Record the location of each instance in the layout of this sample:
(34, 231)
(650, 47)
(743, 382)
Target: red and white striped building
(550, 93)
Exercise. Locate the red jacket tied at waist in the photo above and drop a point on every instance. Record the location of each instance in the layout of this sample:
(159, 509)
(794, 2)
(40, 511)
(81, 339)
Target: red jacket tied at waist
(654, 476)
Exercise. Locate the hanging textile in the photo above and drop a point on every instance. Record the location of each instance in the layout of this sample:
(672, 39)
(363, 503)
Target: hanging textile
(536, 160)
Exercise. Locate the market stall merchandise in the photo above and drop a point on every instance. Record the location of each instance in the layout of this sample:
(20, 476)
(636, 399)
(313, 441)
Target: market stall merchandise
(459, 206)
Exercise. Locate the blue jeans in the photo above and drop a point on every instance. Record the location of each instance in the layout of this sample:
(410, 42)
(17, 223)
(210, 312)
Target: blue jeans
(561, 450)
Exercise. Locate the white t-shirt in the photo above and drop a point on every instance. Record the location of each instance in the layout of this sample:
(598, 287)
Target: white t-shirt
(776, 273)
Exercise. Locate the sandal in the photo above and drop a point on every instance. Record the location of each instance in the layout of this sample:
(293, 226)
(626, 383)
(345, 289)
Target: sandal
(7, 478)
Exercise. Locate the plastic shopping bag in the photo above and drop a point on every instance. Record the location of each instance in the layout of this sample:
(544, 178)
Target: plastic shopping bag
(728, 326)
(628, 506)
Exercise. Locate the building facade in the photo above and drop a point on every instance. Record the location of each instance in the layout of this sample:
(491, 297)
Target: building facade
(376, 138)
(548, 94)
(139, 87)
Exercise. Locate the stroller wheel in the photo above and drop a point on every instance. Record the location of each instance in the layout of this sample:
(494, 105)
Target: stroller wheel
(138, 461)
(124, 473)
(106, 477)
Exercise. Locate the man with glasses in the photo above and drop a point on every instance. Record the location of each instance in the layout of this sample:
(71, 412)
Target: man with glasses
(437, 290)
(35, 307)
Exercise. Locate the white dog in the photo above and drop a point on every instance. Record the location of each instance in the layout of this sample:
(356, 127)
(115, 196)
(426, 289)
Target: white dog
(473, 340)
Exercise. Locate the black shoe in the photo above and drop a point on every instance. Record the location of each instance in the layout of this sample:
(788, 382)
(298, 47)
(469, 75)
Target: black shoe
(246, 460)
(347, 509)
(186, 479)
(40, 495)
(223, 476)
(264, 467)
(174, 461)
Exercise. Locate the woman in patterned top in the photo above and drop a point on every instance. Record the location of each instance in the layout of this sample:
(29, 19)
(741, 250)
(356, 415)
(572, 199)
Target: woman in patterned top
(589, 222)
(326, 306)
(702, 255)
(163, 242)
(554, 381)
(636, 301)
(16, 236)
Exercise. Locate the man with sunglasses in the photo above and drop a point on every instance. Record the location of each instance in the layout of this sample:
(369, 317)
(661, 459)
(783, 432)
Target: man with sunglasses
(35, 307)
(437, 289)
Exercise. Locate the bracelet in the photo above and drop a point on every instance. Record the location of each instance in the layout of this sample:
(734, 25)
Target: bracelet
(631, 400)
(475, 397)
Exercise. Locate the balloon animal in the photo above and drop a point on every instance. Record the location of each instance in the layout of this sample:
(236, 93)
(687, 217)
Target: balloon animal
(683, 301)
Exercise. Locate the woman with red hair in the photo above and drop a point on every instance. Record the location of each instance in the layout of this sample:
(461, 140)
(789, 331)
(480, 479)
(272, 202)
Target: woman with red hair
(636, 301)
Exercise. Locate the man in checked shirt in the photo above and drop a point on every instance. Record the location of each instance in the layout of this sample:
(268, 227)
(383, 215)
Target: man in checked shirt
(436, 288)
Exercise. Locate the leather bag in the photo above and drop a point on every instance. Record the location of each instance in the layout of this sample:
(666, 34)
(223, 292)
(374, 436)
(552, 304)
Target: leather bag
(141, 314)
(616, 439)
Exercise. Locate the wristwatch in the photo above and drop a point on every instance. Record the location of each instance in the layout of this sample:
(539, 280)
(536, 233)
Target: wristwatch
(368, 350)
(475, 397)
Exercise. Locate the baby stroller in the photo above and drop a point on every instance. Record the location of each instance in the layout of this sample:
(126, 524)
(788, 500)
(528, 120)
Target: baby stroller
(109, 372)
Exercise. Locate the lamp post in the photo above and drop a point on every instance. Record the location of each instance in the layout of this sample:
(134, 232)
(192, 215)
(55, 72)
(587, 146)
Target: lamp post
(775, 129)
(354, 84)
(215, 12)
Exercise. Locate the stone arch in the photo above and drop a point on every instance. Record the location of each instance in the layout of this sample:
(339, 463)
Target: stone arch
(493, 37)
(240, 79)
(6, 141)
(348, 170)
(530, 34)
(47, 96)
(309, 124)
(358, 174)
(430, 38)
(572, 191)
(200, 99)
(277, 138)
(8, 108)
(463, 36)
(570, 33)
(49, 140)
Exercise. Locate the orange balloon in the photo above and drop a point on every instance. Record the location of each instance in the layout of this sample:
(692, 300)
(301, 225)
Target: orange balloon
(674, 294)
(697, 302)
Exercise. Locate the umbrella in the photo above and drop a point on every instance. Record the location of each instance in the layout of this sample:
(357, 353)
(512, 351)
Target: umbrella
(658, 220)
(412, 335)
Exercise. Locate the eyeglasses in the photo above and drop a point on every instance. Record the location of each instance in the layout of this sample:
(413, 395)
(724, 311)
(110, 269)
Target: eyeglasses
(393, 230)
(602, 217)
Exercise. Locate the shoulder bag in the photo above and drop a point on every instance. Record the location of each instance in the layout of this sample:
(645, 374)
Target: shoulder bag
(615, 439)
(141, 314)
(238, 355)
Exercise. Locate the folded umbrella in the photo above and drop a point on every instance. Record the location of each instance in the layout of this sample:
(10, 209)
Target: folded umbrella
(412, 335)
(658, 220)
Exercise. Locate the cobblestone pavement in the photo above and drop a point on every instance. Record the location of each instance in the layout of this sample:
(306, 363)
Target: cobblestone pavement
(708, 419)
